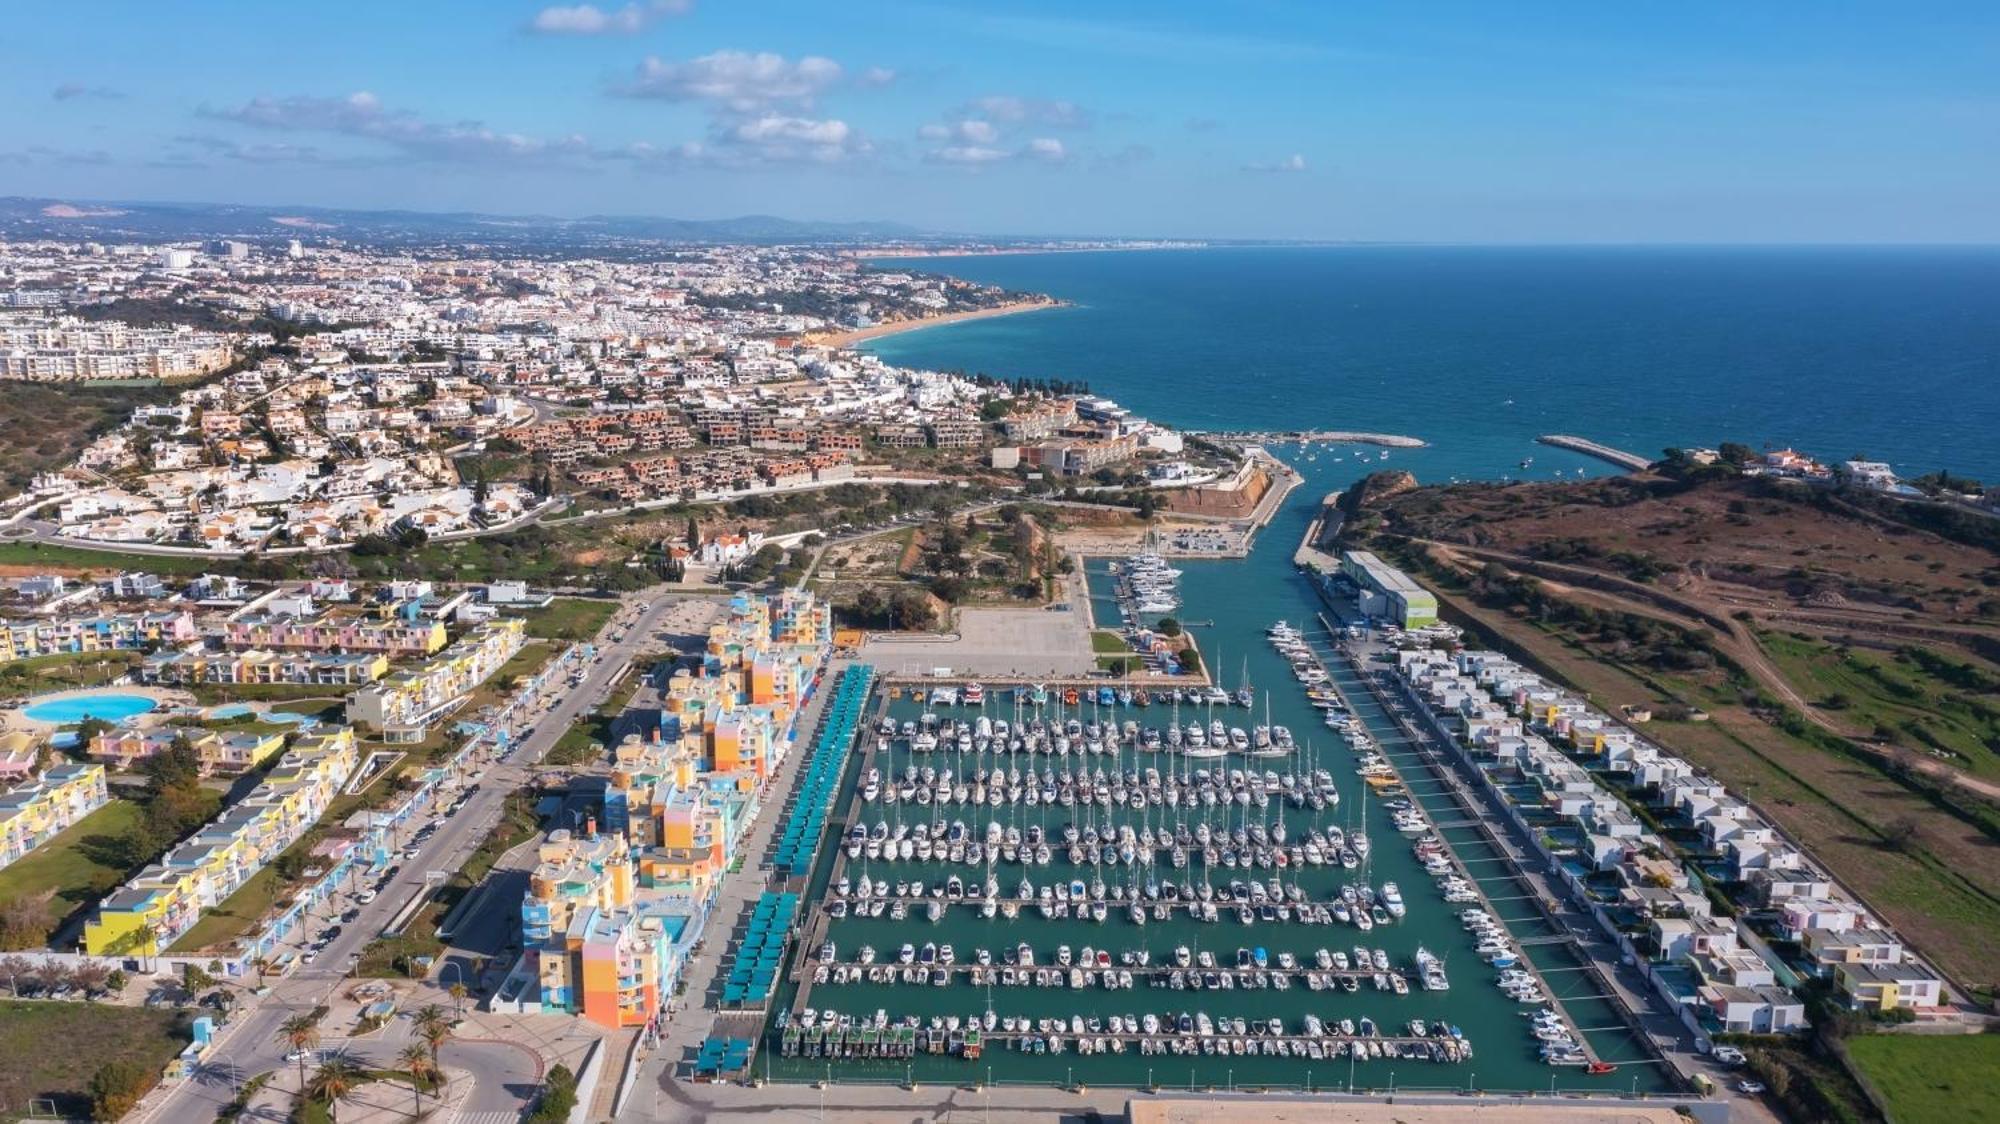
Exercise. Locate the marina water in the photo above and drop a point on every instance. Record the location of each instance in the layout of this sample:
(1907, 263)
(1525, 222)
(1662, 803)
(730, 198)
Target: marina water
(1476, 351)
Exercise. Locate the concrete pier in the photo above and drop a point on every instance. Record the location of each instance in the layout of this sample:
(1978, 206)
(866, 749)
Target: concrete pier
(1631, 462)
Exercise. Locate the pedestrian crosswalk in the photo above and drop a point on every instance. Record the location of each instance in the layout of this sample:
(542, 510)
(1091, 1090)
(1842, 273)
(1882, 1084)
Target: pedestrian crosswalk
(497, 1116)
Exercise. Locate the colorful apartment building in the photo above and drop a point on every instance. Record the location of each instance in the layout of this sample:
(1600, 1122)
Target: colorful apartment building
(256, 666)
(682, 827)
(38, 811)
(608, 917)
(163, 901)
(101, 632)
(403, 704)
(759, 667)
(396, 636)
(600, 952)
(220, 751)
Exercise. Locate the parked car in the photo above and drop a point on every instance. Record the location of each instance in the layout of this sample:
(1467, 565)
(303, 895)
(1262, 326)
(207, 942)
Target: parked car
(1728, 1055)
(365, 896)
(1750, 1087)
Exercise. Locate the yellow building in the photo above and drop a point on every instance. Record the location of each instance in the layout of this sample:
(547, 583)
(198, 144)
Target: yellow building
(37, 811)
(219, 752)
(163, 901)
(406, 701)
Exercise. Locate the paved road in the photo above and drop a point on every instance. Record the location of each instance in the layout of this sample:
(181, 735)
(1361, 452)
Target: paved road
(249, 1044)
(488, 930)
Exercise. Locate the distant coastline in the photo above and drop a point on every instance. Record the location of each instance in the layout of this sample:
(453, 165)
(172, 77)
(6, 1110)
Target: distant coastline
(897, 327)
(1008, 251)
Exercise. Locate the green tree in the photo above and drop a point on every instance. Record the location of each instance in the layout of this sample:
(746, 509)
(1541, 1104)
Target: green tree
(912, 612)
(301, 1034)
(334, 1081)
(1168, 626)
(422, 1071)
(868, 604)
(433, 1026)
(116, 1087)
(558, 1097)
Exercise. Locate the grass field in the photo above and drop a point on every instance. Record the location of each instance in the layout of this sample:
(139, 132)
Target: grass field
(1941, 889)
(70, 558)
(74, 867)
(1107, 643)
(64, 672)
(235, 915)
(1893, 694)
(570, 618)
(53, 1048)
(1930, 1077)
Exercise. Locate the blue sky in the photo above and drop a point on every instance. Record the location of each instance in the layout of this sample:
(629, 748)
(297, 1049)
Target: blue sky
(1482, 122)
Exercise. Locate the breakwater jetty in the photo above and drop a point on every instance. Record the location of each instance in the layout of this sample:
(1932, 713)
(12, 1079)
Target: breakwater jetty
(1631, 462)
(1330, 436)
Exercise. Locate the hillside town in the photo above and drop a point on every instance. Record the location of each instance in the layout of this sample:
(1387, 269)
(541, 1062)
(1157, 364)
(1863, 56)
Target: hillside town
(333, 394)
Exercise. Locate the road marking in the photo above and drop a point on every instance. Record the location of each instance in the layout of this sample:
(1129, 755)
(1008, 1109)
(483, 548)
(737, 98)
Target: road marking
(489, 1117)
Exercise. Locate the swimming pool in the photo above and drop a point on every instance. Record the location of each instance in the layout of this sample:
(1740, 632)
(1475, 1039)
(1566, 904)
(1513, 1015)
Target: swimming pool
(110, 708)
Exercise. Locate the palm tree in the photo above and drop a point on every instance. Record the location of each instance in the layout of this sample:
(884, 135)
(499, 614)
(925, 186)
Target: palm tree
(334, 1081)
(432, 1026)
(301, 1033)
(418, 1064)
(459, 991)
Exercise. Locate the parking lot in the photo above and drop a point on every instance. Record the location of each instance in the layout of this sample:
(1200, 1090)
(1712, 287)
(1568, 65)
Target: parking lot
(1000, 643)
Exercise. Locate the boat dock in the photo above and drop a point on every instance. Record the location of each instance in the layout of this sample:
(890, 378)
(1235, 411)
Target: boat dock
(1152, 975)
(908, 1041)
(1631, 462)
(1331, 436)
(1472, 812)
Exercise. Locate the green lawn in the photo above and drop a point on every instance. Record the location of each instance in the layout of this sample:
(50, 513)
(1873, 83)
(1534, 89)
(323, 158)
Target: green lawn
(236, 914)
(570, 618)
(1107, 643)
(581, 744)
(63, 672)
(77, 865)
(209, 694)
(105, 561)
(53, 1048)
(1926, 1077)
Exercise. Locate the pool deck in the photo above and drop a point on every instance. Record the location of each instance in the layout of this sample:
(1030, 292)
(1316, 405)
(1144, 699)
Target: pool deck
(16, 718)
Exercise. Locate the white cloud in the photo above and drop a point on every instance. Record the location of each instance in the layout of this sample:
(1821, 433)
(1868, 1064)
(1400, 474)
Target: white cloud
(875, 77)
(72, 91)
(1031, 111)
(1292, 163)
(737, 80)
(968, 132)
(363, 115)
(970, 154)
(767, 140)
(1040, 150)
(589, 19)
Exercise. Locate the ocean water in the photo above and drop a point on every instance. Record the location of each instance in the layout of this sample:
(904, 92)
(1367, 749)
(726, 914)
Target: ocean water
(1890, 352)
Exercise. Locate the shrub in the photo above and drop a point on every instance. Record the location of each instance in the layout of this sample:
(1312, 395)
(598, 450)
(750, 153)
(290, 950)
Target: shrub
(558, 1097)
(116, 1087)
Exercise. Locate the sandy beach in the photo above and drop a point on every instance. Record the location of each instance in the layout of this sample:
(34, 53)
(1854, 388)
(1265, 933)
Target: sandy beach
(894, 327)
